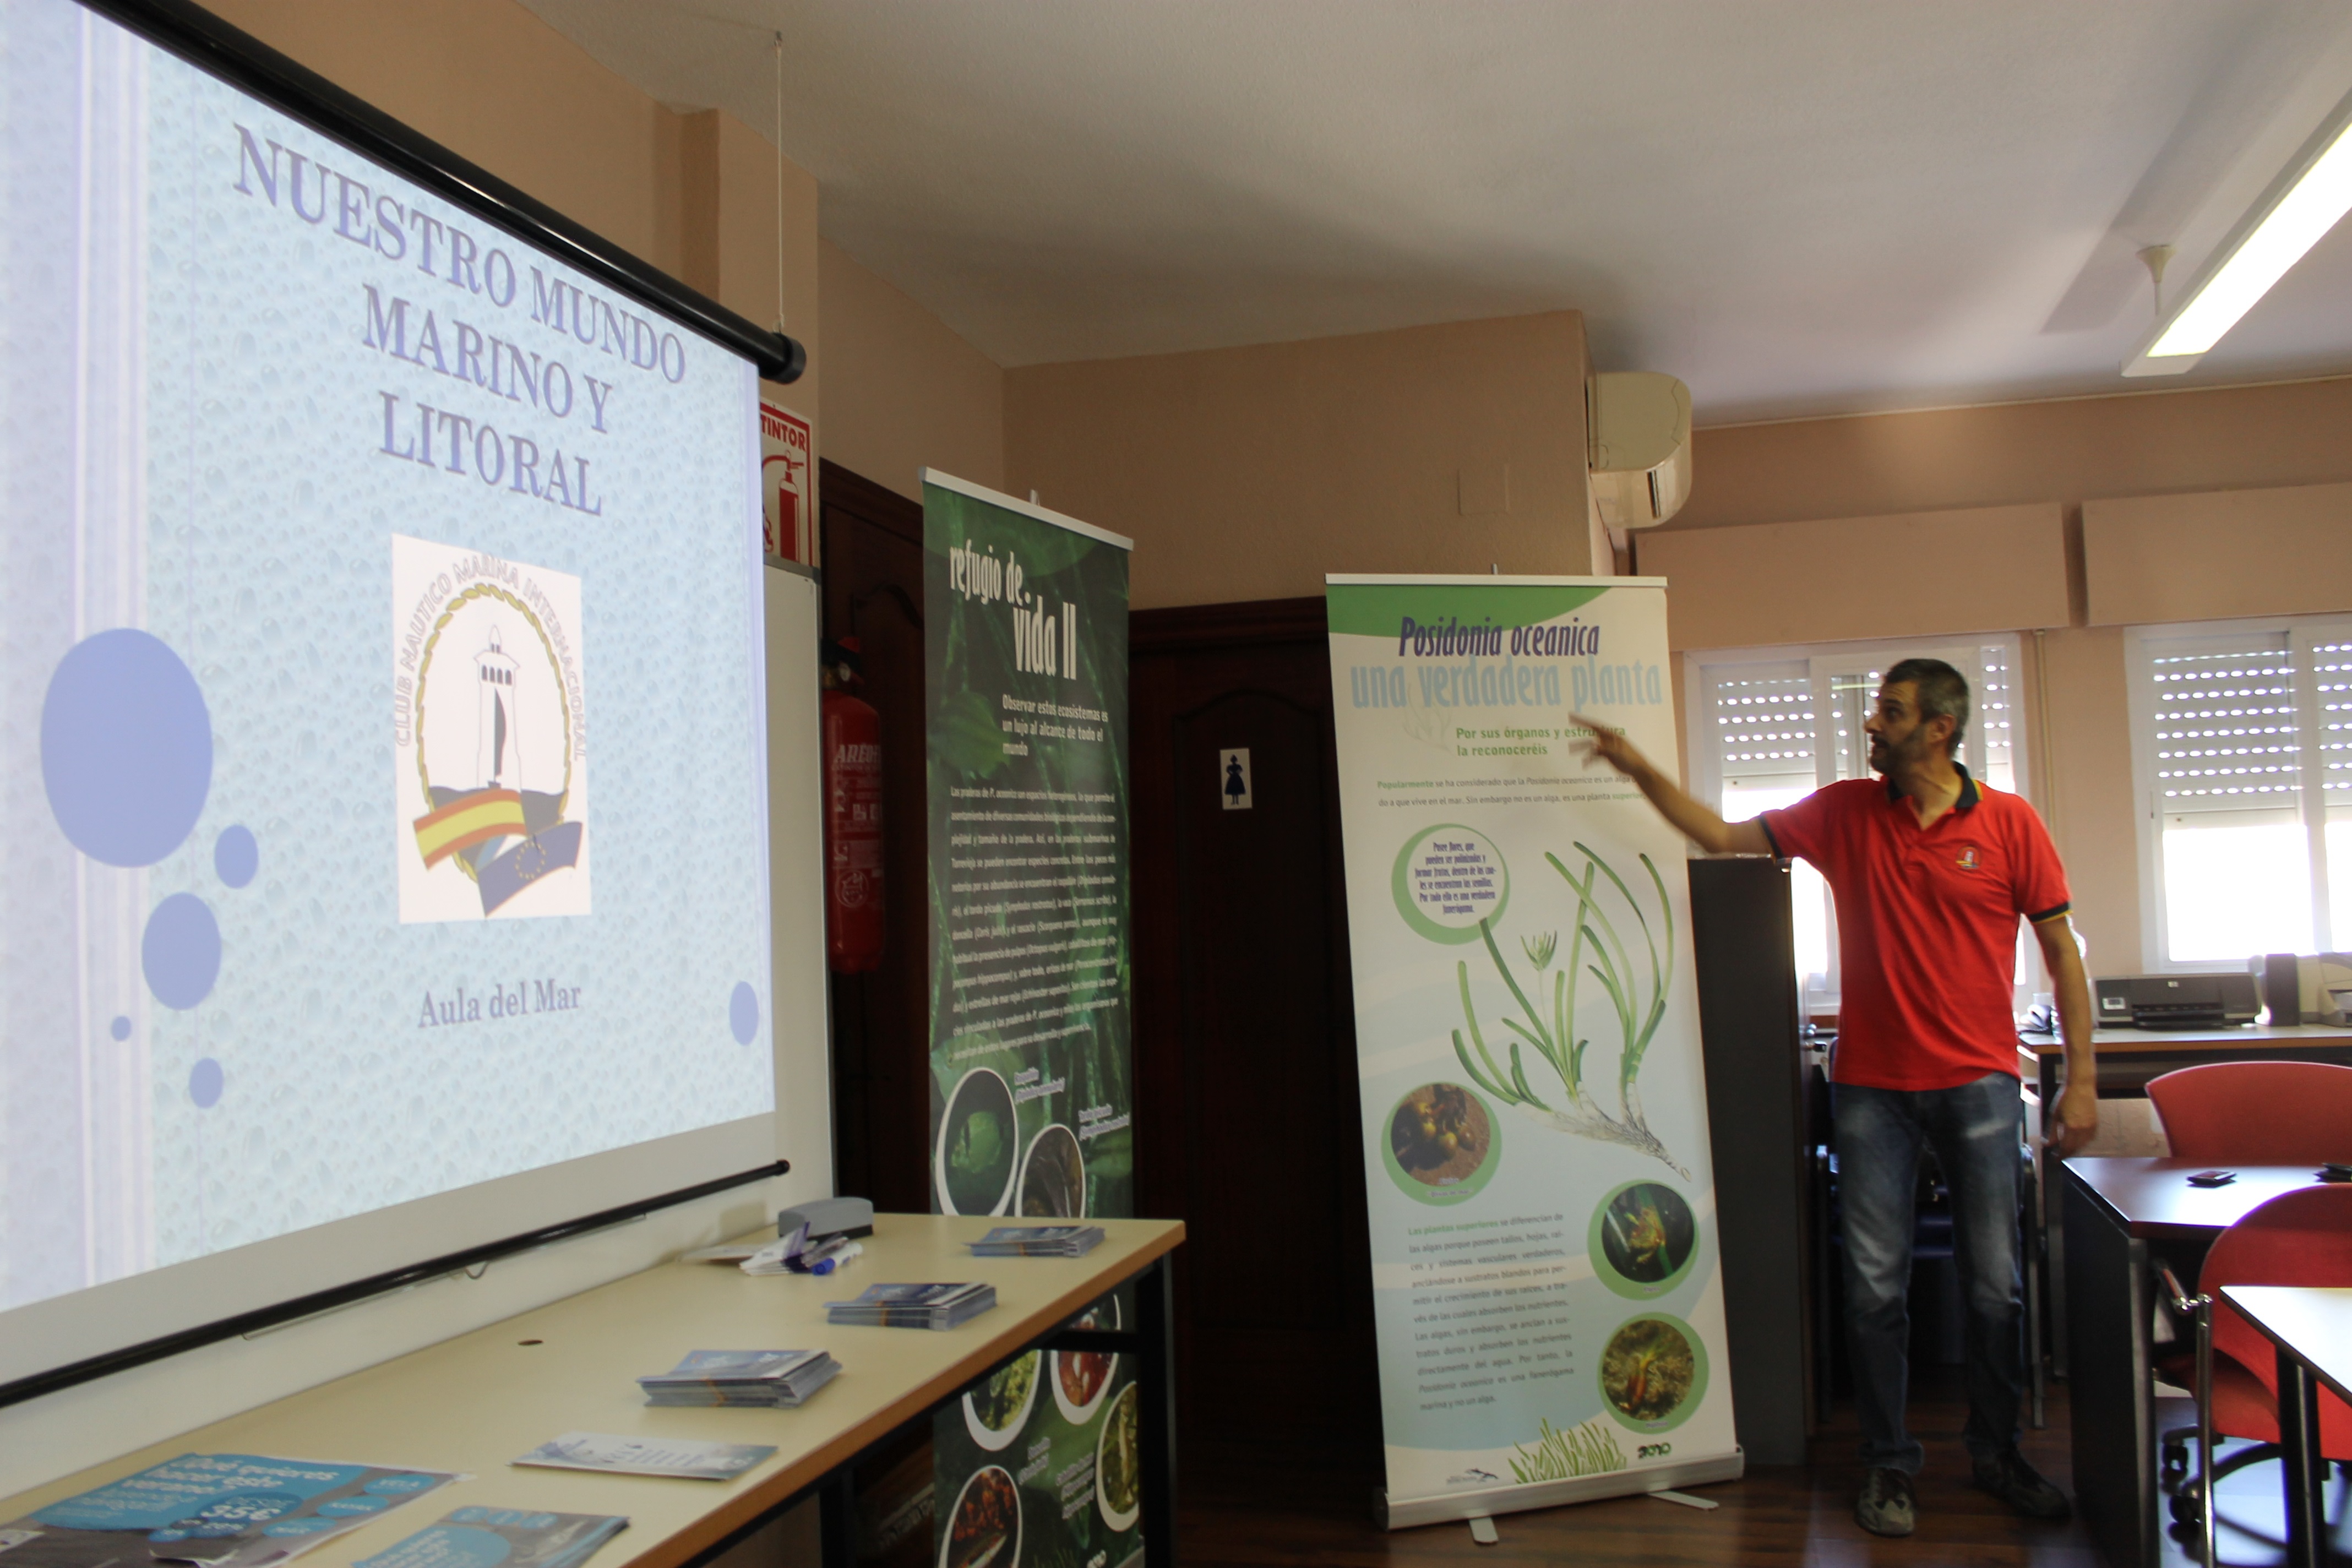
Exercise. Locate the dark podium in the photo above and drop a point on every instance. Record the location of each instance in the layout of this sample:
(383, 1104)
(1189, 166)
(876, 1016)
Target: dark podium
(1757, 1111)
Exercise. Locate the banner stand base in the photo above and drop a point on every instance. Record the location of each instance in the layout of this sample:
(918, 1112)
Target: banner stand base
(1488, 1502)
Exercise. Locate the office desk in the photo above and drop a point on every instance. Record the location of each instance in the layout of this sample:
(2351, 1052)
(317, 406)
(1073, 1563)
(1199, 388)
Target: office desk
(472, 1404)
(2119, 1213)
(2129, 1057)
(2127, 1060)
(2311, 1329)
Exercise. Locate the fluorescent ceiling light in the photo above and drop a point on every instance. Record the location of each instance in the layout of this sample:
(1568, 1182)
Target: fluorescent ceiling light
(2305, 202)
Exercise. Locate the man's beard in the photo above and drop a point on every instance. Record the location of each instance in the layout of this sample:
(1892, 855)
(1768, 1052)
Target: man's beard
(1885, 758)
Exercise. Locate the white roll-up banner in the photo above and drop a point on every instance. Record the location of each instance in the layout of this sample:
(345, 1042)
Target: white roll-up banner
(1545, 1284)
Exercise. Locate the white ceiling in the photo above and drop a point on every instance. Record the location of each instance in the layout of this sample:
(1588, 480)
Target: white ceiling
(1798, 208)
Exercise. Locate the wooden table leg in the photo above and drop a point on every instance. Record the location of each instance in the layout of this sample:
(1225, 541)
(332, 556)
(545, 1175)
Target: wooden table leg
(2303, 1479)
(1156, 1374)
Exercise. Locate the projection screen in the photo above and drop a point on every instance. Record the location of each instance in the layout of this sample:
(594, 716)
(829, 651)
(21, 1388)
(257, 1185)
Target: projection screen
(382, 798)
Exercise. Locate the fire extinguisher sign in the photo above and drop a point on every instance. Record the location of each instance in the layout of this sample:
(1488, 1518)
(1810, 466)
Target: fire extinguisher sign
(787, 487)
(1025, 626)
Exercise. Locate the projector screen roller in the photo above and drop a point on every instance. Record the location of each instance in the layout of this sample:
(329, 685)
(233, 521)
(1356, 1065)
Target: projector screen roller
(383, 797)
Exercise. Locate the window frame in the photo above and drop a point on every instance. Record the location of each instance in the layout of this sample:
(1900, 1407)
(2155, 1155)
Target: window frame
(1823, 662)
(2302, 633)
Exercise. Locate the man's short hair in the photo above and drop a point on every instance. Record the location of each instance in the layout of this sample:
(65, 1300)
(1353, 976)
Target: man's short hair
(1941, 691)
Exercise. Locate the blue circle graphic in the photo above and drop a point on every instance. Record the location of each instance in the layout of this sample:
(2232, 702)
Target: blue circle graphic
(398, 1486)
(235, 855)
(180, 951)
(205, 1081)
(473, 1546)
(126, 748)
(120, 1029)
(350, 1507)
(743, 1011)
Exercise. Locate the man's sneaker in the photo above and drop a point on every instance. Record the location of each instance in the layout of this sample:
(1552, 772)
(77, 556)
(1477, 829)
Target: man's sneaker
(2008, 1476)
(1886, 1506)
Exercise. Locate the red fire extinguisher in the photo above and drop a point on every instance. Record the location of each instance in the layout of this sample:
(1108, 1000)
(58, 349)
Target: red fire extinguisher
(853, 817)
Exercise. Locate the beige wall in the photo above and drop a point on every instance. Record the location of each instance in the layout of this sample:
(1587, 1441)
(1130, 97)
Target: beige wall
(2182, 505)
(2218, 553)
(1248, 473)
(2142, 444)
(728, 236)
(1828, 580)
(2081, 741)
(905, 392)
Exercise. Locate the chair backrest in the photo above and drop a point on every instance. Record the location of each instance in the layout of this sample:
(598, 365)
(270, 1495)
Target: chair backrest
(2302, 1237)
(2257, 1113)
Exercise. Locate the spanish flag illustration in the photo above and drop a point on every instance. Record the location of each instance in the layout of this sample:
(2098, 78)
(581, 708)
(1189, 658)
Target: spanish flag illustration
(473, 818)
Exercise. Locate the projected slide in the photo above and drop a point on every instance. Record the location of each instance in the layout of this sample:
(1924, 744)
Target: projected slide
(382, 743)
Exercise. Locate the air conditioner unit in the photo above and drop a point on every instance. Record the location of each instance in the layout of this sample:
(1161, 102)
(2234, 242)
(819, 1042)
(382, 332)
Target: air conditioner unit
(1638, 446)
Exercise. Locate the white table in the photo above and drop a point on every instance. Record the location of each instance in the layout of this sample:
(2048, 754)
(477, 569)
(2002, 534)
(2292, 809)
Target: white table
(2312, 1328)
(471, 1404)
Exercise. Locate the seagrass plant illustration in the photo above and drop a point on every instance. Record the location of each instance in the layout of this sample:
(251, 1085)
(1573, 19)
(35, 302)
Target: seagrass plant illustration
(1581, 1451)
(1593, 949)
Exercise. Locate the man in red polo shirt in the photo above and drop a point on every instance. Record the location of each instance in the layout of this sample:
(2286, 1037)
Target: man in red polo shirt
(1931, 871)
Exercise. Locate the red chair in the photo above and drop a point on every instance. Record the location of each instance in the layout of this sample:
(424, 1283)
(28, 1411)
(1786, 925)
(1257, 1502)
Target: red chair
(2302, 1237)
(2269, 1113)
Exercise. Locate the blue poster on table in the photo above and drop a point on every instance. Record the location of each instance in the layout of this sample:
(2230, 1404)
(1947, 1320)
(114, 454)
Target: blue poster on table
(518, 1538)
(226, 1511)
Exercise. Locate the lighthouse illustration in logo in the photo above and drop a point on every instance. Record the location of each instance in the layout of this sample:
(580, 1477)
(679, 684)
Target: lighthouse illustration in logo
(498, 726)
(497, 718)
(493, 782)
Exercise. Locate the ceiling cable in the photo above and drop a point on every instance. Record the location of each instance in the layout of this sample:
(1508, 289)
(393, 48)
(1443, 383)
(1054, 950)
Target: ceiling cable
(780, 183)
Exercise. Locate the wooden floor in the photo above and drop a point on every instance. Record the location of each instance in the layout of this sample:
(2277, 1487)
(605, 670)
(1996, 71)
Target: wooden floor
(1247, 1506)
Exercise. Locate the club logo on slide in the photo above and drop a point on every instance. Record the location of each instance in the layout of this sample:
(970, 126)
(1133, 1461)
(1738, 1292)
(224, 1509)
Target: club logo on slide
(490, 732)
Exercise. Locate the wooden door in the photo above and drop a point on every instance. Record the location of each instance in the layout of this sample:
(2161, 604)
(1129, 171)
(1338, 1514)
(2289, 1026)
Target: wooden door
(1247, 1116)
(873, 572)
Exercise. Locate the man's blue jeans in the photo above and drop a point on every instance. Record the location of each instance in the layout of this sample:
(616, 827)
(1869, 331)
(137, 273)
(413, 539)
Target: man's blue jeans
(1974, 1131)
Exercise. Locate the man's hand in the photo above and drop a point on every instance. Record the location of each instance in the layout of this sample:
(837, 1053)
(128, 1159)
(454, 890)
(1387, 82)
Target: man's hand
(2073, 1121)
(1710, 832)
(1610, 745)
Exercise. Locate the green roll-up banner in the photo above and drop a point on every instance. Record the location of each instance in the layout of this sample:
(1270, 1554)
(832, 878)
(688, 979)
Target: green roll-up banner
(1024, 628)
(1545, 1286)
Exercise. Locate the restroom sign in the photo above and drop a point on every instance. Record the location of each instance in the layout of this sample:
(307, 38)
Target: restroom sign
(1234, 778)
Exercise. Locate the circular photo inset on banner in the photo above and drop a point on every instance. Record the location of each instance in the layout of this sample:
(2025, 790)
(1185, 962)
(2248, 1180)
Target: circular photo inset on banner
(1447, 880)
(984, 1530)
(1654, 1373)
(973, 1162)
(1082, 1377)
(1440, 1143)
(1118, 1460)
(995, 1412)
(1054, 1176)
(1642, 1239)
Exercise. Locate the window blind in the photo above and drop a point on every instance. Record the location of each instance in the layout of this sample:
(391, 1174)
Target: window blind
(2331, 665)
(1764, 730)
(2226, 732)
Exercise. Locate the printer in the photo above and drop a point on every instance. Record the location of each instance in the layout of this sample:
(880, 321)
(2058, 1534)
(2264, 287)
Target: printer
(2306, 989)
(2174, 1000)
